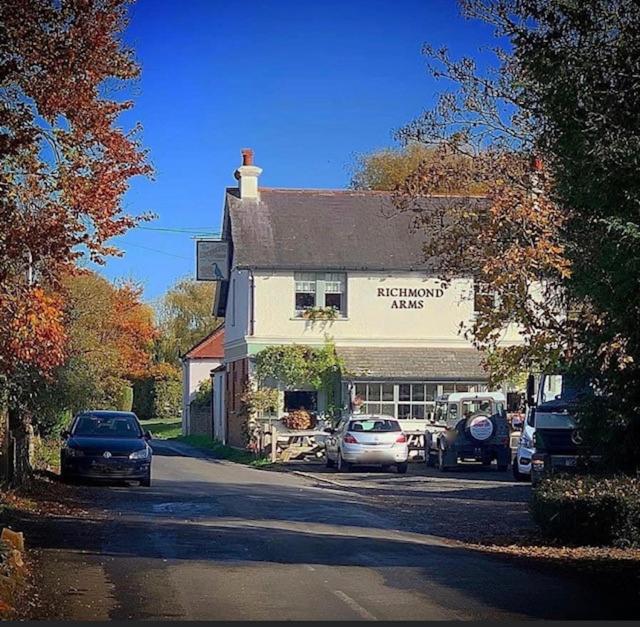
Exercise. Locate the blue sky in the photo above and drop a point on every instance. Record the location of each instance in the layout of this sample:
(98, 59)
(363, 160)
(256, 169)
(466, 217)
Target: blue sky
(306, 83)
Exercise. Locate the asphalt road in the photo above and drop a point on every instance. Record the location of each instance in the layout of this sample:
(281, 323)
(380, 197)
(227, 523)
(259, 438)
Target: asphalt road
(215, 540)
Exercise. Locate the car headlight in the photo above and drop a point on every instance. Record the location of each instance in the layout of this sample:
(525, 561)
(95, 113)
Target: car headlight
(143, 453)
(74, 452)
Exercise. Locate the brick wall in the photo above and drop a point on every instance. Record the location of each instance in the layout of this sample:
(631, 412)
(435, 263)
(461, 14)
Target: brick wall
(200, 420)
(237, 373)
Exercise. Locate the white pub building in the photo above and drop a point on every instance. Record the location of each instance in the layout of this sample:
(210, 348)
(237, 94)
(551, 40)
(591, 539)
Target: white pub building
(397, 327)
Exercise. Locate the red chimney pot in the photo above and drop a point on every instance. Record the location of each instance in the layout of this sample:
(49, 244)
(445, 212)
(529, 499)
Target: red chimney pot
(536, 163)
(247, 156)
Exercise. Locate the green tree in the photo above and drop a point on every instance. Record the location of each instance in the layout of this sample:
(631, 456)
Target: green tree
(582, 61)
(185, 318)
(562, 97)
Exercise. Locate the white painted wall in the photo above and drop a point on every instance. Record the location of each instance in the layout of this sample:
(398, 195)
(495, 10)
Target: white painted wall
(219, 423)
(238, 306)
(371, 317)
(194, 371)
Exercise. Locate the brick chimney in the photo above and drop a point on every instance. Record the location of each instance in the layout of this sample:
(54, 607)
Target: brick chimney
(247, 176)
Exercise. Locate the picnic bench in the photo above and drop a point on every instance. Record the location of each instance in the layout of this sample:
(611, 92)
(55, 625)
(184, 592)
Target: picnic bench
(287, 444)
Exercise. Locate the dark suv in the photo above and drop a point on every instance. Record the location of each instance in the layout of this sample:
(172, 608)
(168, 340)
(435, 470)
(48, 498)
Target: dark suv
(469, 426)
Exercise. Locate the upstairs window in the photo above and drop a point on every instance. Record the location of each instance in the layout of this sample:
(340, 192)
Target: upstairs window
(320, 290)
(483, 297)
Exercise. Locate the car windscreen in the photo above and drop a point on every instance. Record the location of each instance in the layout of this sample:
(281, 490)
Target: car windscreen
(563, 388)
(374, 425)
(552, 420)
(107, 425)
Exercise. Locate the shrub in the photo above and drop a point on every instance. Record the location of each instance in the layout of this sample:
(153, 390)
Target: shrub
(589, 510)
(202, 396)
(124, 399)
(158, 396)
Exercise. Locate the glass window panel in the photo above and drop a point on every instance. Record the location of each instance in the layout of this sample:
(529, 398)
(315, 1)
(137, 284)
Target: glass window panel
(372, 408)
(432, 391)
(417, 412)
(417, 392)
(430, 410)
(389, 410)
(374, 392)
(334, 282)
(333, 300)
(462, 387)
(448, 388)
(361, 390)
(387, 391)
(404, 392)
(304, 300)
(404, 411)
(306, 286)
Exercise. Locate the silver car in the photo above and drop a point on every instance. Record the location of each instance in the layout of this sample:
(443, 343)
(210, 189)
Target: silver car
(367, 440)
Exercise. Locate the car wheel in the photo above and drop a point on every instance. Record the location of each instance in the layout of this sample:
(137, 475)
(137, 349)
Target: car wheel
(517, 475)
(146, 482)
(385, 468)
(342, 465)
(402, 467)
(329, 463)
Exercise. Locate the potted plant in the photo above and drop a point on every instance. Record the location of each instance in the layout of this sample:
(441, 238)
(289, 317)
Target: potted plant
(320, 313)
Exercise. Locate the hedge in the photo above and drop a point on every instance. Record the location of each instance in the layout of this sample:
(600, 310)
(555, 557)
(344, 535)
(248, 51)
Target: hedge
(589, 510)
(154, 398)
(124, 400)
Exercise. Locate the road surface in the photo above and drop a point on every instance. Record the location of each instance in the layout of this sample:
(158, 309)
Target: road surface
(215, 540)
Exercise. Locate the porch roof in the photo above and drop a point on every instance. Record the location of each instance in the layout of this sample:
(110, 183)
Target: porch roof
(418, 364)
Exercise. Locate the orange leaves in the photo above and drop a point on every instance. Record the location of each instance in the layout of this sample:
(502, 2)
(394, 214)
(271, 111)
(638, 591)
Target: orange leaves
(109, 327)
(32, 332)
(510, 241)
(66, 162)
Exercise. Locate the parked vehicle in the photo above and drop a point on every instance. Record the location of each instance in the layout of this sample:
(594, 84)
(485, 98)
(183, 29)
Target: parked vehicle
(367, 440)
(550, 440)
(106, 445)
(469, 426)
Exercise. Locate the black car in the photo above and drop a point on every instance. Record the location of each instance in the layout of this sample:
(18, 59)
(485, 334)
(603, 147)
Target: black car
(107, 445)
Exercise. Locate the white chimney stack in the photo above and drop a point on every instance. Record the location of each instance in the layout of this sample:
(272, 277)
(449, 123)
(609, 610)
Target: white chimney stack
(247, 175)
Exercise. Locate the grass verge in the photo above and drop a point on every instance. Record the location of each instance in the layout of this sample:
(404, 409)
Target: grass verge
(224, 451)
(163, 428)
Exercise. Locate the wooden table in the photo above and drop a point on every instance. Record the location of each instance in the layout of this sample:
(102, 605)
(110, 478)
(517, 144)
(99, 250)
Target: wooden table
(293, 443)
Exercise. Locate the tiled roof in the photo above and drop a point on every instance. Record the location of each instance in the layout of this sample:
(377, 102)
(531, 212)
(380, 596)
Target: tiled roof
(211, 347)
(413, 363)
(328, 229)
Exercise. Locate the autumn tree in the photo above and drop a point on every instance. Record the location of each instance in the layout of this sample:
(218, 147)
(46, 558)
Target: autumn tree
(553, 132)
(389, 168)
(66, 162)
(110, 335)
(185, 317)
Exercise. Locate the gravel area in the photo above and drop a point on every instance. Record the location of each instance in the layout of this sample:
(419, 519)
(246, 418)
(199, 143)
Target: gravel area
(471, 504)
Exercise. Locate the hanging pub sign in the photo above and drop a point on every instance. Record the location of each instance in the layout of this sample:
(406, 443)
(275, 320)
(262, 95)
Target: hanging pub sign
(212, 260)
(409, 297)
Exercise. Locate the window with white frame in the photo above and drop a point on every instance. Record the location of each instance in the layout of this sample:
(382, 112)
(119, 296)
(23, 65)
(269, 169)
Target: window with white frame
(320, 290)
(407, 401)
(483, 297)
